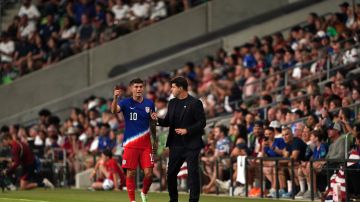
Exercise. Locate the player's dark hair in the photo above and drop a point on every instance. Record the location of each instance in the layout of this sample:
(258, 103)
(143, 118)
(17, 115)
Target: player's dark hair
(108, 153)
(180, 82)
(136, 81)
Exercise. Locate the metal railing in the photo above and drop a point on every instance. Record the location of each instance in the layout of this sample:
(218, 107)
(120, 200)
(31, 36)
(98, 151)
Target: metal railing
(258, 163)
(261, 165)
(287, 163)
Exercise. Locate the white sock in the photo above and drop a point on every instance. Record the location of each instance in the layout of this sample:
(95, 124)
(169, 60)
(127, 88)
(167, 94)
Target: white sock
(309, 186)
(302, 185)
(289, 186)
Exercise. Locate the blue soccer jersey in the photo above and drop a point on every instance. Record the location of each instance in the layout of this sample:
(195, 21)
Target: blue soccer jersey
(137, 122)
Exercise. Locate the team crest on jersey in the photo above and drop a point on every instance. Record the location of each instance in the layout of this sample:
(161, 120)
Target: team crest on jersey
(147, 109)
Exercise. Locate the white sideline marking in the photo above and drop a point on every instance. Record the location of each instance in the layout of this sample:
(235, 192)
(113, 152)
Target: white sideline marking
(20, 199)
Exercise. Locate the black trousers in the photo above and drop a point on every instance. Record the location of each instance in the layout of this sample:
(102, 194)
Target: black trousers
(176, 158)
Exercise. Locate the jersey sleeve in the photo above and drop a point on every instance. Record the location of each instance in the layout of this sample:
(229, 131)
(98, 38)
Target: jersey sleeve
(121, 103)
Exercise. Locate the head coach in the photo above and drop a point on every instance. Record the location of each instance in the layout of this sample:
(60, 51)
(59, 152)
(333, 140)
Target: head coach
(186, 121)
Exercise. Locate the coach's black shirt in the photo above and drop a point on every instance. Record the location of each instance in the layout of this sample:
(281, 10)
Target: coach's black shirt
(179, 107)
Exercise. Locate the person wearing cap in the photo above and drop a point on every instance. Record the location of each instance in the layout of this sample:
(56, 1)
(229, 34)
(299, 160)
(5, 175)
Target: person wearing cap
(336, 151)
(277, 128)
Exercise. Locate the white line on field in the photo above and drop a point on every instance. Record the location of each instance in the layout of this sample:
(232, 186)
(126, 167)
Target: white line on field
(20, 199)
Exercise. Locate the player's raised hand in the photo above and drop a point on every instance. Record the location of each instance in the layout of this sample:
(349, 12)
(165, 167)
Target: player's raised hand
(117, 91)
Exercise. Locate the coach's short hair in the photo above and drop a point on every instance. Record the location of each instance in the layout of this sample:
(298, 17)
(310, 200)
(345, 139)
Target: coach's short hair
(136, 81)
(180, 82)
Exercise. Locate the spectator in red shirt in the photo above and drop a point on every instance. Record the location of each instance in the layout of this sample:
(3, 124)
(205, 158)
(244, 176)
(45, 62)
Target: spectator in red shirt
(22, 154)
(110, 169)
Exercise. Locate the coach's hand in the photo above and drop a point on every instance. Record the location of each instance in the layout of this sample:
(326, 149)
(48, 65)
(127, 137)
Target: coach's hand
(181, 131)
(153, 115)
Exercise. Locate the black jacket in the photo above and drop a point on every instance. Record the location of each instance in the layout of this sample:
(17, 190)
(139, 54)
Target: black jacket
(192, 118)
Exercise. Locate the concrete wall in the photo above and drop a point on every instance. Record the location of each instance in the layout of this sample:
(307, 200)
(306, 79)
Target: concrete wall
(227, 12)
(62, 105)
(68, 77)
(45, 85)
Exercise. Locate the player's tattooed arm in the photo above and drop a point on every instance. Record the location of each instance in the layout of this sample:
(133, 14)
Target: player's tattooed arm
(153, 124)
(153, 129)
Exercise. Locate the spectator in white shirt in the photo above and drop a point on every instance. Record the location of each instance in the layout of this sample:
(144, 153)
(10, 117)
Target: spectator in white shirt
(29, 10)
(158, 10)
(139, 13)
(26, 28)
(68, 30)
(7, 48)
(140, 9)
(351, 54)
(121, 12)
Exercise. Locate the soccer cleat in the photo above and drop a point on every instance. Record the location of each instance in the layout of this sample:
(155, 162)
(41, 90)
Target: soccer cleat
(143, 197)
(48, 184)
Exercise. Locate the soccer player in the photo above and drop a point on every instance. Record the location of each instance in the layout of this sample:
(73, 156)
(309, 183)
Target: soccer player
(137, 142)
(109, 168)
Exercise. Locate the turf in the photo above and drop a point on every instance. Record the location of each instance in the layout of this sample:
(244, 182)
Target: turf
(68, 195)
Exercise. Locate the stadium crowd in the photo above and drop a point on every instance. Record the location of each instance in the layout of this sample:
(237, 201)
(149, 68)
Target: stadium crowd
(45, 33)
(294, 112)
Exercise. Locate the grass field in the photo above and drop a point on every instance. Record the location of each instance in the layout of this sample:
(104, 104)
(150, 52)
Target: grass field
(68, 195)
